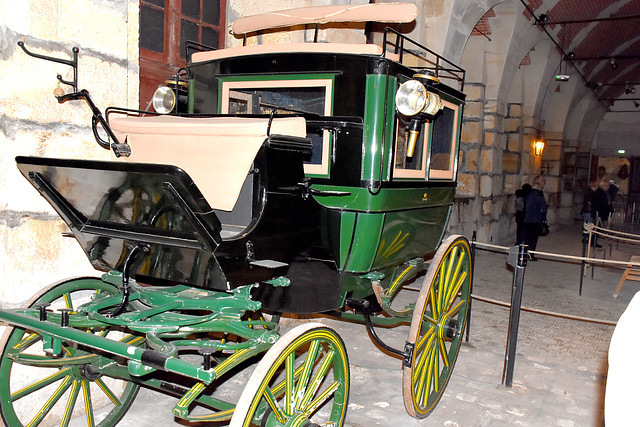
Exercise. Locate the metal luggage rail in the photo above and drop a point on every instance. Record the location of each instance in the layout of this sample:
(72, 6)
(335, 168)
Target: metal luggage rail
(420, 57)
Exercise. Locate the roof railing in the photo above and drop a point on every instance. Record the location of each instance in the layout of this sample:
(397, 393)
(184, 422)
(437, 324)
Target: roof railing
(420, 57)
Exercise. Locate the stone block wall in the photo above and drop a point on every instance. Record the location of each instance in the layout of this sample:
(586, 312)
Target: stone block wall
(490, 168)
(496, 159)
(33, 251)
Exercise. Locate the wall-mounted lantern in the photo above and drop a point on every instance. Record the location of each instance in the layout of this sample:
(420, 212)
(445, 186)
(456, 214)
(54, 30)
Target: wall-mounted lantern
(538, 147)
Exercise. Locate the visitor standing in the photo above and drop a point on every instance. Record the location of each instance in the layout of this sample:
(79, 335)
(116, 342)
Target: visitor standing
(535, 212)
(588, 202)
(600, 204)
(521, 195)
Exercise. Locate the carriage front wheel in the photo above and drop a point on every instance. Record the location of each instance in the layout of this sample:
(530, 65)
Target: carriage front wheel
(437, 326)
(303, 380)
(40, 388)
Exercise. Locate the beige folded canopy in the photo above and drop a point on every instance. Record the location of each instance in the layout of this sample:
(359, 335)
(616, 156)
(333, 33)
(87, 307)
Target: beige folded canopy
(378, 12)
(217, 153)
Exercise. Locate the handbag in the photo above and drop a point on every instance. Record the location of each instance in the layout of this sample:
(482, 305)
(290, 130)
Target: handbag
(544, 228)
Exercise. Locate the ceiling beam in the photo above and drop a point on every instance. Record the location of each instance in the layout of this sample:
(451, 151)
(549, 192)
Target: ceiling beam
(587, 21)
(569, 57)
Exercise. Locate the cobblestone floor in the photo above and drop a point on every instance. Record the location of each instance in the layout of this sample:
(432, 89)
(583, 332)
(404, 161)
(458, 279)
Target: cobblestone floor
(560, 368)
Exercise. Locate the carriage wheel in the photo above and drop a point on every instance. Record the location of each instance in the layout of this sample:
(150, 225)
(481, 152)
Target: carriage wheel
(437, 326)
(37, 388)
(303, 380)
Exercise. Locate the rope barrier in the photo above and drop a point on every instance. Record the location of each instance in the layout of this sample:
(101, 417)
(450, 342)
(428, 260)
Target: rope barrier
(545, 312)
(560, 256)
(606, 232)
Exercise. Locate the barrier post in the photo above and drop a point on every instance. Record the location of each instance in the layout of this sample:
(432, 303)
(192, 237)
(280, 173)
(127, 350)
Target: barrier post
(585, 245)
(514, 312)
(473, 272)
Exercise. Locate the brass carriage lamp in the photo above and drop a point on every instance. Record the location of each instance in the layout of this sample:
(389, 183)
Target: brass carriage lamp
(414, 100)
(538, 146)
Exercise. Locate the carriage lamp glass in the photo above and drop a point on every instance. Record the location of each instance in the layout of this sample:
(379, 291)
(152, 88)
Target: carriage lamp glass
(538, 147)
(163, 100)
(433, 104)
(411, 98)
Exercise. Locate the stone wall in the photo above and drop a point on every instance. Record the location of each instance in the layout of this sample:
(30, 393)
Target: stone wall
(491, 168)
(33, 252)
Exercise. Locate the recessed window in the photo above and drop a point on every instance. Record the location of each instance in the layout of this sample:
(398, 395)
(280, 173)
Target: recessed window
(295, 96)
(436, 146)
(165, 26)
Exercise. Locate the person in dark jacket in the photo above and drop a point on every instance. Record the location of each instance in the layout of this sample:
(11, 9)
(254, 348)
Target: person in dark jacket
(600, 203)
(521, 195)
(535, 212)
(587, 202)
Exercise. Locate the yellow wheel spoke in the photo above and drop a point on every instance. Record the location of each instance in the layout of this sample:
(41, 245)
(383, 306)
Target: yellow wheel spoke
(433, 376)
(67, 300)
(279, 388)
(88, 406)
(448, 273)
(455, 309)
(443, 351)
(321, 399)
(107, 391)
(301, 386)
(422, 356)
(39, 384)
(288, 395)
(71, 403)
(424, 381)
(315, 383)
(454, 290)
(271, 401)
(53, 399)
(432, 301)
(420, 344)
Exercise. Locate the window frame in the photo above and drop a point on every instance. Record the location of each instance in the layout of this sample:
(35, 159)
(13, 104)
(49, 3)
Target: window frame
(426, 172)
(326, 81)
(156, 67)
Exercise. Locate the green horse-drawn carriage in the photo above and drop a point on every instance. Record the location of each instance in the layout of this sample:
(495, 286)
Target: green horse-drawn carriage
(271, 179)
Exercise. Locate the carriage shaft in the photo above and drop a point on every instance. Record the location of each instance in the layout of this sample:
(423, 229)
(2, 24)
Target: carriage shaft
(140, 361)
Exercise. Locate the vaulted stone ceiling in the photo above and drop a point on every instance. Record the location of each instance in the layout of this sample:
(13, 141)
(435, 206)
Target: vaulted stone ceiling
(601, 39)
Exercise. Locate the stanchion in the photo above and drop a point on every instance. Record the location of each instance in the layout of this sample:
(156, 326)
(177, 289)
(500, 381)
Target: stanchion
(514, 312)
(585, 245)
(473, 270)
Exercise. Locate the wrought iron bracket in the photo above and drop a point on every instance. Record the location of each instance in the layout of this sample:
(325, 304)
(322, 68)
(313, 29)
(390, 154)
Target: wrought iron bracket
(73, 63)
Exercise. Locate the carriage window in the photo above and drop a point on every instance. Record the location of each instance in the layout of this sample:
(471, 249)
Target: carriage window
(285, 97)
(444, 138)
(414, 166)
(435, 148)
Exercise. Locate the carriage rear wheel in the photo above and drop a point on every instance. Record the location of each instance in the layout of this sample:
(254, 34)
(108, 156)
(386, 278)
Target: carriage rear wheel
(38, 388)
(437, 326)
(303, 380)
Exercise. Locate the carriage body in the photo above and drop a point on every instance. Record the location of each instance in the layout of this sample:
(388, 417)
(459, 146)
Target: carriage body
(322, 201)
(285, 179)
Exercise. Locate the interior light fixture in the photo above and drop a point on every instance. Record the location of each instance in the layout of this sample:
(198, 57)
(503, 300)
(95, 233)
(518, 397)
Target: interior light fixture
(621, 151)
(562, 77)
(613, 63)
(538, 147)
